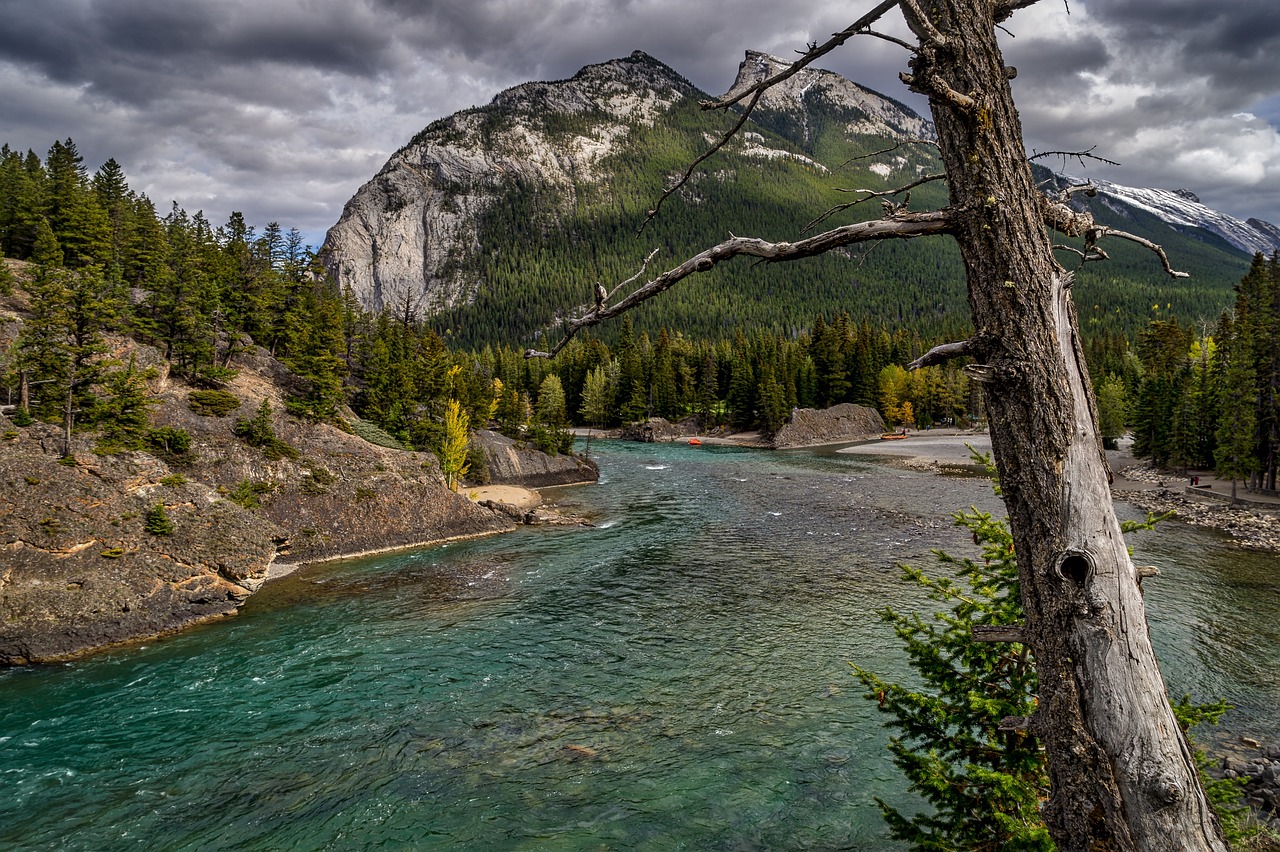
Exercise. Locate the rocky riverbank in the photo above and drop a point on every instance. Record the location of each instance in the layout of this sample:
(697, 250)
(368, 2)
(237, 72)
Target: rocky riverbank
(104, 547)
(1248, 526)
(1257, 766)
(513, 463)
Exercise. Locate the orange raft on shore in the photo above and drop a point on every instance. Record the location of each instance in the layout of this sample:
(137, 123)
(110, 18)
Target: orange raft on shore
(893, 436)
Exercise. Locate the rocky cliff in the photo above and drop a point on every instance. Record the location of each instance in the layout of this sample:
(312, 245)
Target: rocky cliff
(814, 92)
(404, 240)
(80, 570)
(410, 238)
(512, 463)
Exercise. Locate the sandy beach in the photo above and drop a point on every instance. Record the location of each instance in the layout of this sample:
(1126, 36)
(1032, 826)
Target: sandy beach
(512, 495)
(939, 447)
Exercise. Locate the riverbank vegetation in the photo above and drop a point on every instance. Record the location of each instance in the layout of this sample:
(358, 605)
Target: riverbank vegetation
(103, 261)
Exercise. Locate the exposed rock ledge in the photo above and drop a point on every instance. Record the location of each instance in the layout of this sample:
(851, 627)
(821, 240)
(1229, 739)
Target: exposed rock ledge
(809, 427)
(512, 463)
(79, 571)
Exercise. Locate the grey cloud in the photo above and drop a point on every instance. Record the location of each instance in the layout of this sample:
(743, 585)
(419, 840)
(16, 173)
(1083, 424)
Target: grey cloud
(281, 108)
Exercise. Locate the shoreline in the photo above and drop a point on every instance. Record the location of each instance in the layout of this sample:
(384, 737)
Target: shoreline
(525, 500)
(287, 568)
(1255, 526)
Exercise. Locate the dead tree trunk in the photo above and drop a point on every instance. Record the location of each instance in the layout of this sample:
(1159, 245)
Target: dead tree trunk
(1121, 771)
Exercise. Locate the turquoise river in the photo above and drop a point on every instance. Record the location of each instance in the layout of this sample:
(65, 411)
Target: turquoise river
(675, 677)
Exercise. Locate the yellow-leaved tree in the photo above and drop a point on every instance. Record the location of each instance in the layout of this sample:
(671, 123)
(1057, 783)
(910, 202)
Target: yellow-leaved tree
(457, 440)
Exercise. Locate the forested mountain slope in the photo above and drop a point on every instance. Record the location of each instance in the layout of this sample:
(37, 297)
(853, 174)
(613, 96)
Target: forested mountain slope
(497, 220)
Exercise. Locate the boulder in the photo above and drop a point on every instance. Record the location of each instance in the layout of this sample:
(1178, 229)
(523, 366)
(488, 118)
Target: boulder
(838, 424)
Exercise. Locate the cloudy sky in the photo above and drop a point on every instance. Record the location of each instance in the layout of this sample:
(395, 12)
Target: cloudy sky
(282, 108)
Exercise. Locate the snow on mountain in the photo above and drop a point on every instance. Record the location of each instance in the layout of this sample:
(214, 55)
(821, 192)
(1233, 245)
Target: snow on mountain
(1181, 208)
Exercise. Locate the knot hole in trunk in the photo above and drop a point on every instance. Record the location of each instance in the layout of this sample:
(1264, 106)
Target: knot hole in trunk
(1075, 567)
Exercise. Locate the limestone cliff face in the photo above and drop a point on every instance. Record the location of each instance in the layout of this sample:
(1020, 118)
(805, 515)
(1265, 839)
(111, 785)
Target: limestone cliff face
(404, 239)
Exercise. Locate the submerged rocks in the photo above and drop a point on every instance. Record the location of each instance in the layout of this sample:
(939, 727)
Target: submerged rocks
(1258, 769)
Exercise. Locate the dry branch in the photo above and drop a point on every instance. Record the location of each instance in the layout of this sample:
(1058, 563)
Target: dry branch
(869, 194)
(1103, 231)
(942, 353)
(901, 226)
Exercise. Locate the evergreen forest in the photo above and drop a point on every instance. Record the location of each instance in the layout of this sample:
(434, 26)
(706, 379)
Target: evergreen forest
(1194, 381)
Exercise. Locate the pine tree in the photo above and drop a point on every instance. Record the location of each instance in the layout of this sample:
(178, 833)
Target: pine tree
(984, 784)
(1237, 427)
(157, 520)
(597, 397)
(549, 430)
(1113, 408)
(75, 215)
(125, 412)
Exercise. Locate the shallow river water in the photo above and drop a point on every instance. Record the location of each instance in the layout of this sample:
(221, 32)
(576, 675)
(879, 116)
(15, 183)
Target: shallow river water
(675, 678)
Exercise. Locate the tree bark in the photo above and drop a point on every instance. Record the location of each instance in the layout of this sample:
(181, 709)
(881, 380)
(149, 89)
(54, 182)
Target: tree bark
(1121, 771)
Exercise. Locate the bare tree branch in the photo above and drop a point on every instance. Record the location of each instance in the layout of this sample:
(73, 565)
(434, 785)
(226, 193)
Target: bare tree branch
(1004, 8)
(1104, 231)
(1060, 217)
(890, 39)
(1072, 155)
(899, 144)
(869, 194)
(901, 226)
(1090, 189)
(925, 28)
(1094, 254)
(602, 297)
(942, 353)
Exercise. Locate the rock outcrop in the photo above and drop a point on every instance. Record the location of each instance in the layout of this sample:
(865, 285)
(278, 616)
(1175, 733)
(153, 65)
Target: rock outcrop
(840, 423)
(79, 569)
(660, 430)
(512, 463)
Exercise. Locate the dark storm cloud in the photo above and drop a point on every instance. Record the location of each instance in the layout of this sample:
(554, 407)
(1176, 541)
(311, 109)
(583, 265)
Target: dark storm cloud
(281, 108)
(1232, 42)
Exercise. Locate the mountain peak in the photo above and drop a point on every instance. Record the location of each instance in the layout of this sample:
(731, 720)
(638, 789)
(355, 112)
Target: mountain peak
(865, 111)
(596, 85)
(1182, 208)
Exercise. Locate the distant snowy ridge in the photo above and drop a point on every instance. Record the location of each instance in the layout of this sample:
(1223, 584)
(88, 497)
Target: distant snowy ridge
(1181, 208)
